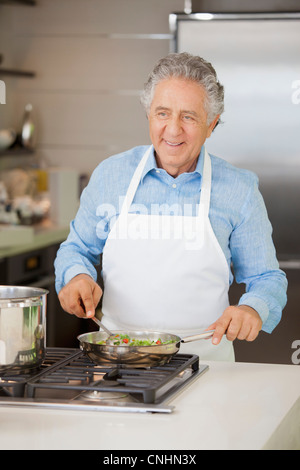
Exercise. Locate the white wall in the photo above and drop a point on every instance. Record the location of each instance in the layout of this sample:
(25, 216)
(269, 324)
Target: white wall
(91, 59)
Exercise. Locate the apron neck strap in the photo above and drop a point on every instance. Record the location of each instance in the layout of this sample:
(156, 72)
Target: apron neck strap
(205, 185)
(135, 182)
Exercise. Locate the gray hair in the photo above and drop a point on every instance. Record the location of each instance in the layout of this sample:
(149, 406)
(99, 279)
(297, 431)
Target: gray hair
(190, 67)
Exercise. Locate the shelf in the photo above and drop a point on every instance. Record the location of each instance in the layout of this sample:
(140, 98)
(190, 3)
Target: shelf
(19, 151)
(20, 2)
(17, 73)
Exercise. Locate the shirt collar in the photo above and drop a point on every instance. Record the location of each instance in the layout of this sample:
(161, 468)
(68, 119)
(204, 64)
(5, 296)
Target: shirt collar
(152, 165)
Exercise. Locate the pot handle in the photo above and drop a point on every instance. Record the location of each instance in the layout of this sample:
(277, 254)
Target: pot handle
(205, 335)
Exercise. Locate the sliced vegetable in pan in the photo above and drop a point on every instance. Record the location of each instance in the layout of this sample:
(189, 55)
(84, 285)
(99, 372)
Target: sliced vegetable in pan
(126, 340)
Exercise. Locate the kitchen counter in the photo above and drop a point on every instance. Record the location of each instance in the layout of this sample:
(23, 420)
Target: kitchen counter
(231, 406)
(44, 234)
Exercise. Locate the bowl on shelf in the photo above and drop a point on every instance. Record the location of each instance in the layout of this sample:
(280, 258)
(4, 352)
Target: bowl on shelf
(7, 138)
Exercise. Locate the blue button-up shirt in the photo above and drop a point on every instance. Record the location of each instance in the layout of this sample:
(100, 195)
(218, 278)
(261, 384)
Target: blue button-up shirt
(237, 214)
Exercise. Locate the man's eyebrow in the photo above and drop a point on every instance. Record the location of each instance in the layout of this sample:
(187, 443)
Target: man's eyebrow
(192, 113)
(184, 111)
(162, 108)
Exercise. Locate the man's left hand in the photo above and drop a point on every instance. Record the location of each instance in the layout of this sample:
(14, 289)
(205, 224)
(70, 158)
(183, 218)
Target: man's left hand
(238, 322)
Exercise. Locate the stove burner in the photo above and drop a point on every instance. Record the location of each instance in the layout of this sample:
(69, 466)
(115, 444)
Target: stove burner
(104, 394)
(69, 379)
(100, 395)
(13, 380)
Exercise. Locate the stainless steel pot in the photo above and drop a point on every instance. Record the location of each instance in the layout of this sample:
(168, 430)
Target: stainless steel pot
(22, 327)
(135, 356)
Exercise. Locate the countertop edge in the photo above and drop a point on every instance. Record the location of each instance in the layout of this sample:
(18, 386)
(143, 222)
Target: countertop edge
(287, 435)
(44, 235)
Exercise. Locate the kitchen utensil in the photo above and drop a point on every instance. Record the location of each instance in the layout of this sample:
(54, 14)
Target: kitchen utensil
(99, 323)
(28, 135)
(22, 327)
(135, 356)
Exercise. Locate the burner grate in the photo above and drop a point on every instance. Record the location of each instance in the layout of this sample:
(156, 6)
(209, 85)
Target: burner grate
(78, 373)
(13, 383)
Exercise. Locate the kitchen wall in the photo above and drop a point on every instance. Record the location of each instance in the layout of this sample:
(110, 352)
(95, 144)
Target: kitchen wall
(91, 59)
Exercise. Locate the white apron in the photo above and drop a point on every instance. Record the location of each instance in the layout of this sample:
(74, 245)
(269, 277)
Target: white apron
(166, 273)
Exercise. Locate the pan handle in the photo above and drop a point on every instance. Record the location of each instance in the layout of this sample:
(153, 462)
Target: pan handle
(206, 334)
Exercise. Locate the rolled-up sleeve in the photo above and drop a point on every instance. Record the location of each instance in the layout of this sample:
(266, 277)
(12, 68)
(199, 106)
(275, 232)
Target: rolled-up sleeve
(255, 263)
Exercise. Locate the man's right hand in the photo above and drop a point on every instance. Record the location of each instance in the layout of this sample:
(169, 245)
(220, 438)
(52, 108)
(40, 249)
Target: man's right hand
(80, 296)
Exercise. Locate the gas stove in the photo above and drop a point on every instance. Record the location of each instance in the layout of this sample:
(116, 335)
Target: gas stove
(68, 379)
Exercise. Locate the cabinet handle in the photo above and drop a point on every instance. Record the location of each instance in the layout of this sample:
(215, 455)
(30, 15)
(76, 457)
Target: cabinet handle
(290, 264)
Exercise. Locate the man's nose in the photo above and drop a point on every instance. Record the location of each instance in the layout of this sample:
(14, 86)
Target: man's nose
(174, 126)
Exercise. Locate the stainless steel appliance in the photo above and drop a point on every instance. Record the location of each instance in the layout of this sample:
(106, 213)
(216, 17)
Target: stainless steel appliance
(35, 269)
(22, 327)
(68, 379)
(256, 56)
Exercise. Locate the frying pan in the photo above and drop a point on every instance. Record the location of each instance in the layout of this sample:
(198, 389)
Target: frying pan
(134, 356)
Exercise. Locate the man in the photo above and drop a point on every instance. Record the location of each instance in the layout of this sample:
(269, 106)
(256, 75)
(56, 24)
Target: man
(170, 221)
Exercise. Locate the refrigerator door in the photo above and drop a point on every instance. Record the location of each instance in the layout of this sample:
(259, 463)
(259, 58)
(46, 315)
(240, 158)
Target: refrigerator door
(256, 57)
(257, 61)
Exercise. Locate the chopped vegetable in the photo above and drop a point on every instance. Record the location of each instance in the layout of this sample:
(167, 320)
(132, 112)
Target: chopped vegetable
(125, 340)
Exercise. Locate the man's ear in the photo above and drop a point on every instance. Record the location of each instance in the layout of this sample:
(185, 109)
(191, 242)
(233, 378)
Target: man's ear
(213, 125)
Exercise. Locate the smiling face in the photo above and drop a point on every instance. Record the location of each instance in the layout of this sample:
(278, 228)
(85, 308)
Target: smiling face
(178, 124)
